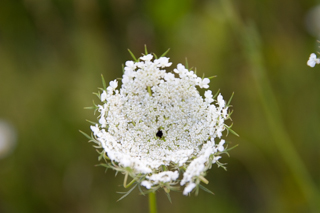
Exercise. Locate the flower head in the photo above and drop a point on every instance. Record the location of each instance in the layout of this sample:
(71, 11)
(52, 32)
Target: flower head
(157, 128)
(313, 60)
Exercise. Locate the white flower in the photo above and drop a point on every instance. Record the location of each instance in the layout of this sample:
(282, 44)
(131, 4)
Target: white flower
(204, 83)
(146, 184)
(163, 62)
(180, 69)
(103, 96)
(130, 65)
(95, 129)
(215, 159)
(220, 146)
(162, 177)
(146, 57)
(189, 188)
(114, 84)
(169, 77)
(208, 96)
(156, 124)
(313, 60)
(221, 102)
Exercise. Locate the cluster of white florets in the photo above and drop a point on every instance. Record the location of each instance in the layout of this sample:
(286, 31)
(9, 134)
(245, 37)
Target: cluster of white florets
(313, 60)
(158, 125)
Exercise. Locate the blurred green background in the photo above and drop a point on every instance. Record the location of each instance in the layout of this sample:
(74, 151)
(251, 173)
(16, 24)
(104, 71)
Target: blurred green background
(52, 53)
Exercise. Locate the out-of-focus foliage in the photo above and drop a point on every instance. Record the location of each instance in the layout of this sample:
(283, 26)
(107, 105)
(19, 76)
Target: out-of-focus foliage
(52, 53)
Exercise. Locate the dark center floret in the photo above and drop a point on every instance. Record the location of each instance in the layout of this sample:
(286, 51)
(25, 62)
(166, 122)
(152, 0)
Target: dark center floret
(159, 134)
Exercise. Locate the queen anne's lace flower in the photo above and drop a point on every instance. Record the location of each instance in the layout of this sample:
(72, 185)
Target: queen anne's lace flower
(157, 126)
(313, 60)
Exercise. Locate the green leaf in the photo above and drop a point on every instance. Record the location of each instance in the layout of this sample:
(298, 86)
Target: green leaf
(101, 156)
(227, 150)
(197, 189)
(103, 82)
(165, 53)
(187, 66)
(205, 189)
(134, 58)
(85, 134)
(228, 104)
(97, 93)
(141, 191)
(169, 197)
(96, 147)
(94, 123)
(221, 165)
(126, 193)
(229, 115)
(215, 95)
(145, 49)
(103, 165)
(211, 77)
(155, 56)
(92, 107)
(233, 132)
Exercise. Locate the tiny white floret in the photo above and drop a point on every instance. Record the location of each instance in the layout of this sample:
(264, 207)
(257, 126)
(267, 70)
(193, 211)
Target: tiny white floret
(146, 57)
(313, 60)
(220, 146)
(189, 188)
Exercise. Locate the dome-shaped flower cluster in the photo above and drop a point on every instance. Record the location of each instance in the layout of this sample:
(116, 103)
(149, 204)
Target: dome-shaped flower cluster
(157, 128)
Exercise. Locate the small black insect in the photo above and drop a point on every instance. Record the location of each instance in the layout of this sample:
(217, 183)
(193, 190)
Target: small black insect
(159, 134)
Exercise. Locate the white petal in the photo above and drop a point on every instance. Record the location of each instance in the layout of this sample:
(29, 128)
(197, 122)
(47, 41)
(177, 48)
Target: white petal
(146, 184)
(146, 57)
(189, 188)
(103, 96)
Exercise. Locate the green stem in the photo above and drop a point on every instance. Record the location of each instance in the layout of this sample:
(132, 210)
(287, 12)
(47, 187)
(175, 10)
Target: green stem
(251, 42)
(152, 202)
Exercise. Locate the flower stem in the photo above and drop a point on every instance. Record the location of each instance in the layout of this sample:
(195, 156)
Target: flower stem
(283, 143)
(152, 202)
